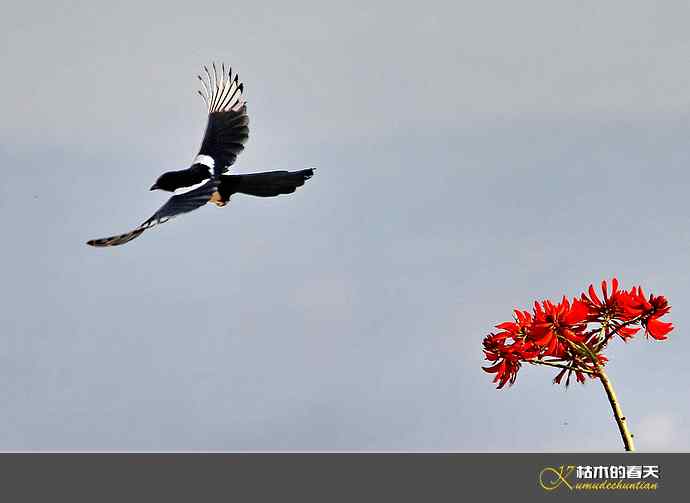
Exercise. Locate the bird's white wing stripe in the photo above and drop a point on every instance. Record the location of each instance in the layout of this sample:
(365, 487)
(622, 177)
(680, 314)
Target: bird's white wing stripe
(206, 160)
(184, 190)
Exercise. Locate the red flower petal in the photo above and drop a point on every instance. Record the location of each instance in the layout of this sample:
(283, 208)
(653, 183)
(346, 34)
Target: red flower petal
(626, 333)
(492, 368)
(578, 313)
(658, 329)
(557, 379)
(593, 295)
(508, 326)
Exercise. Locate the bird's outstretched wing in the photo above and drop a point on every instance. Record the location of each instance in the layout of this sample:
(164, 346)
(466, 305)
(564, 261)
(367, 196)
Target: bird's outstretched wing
(227, 129)
(176, 205)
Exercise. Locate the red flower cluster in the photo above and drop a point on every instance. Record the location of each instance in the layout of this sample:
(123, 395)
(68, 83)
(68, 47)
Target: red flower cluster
(571, 335)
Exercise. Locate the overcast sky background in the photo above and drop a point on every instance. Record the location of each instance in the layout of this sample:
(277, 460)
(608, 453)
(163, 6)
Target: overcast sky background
(472, 156)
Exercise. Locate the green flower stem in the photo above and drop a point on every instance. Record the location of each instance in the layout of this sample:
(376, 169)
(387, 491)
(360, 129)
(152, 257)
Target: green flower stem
(613, 332)
(560, 366)
(610, 393)
(617, 412)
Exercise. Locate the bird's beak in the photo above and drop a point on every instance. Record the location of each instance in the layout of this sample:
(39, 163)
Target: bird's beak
(154, 187)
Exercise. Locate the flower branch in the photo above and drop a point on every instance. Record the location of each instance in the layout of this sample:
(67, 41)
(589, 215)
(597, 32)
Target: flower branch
(573, 335)
(559, 365)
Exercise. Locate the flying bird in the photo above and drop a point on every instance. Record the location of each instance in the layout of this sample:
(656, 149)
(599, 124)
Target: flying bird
(207, 180)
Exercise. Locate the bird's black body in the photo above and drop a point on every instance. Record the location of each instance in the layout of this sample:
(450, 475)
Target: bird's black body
(207, 179)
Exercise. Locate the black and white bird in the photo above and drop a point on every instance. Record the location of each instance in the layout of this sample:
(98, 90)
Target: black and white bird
(207, 179)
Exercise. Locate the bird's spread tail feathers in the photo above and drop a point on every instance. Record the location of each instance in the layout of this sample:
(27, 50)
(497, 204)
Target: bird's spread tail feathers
(268, 184)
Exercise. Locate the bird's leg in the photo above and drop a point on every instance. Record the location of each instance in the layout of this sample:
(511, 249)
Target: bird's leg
(217, 199)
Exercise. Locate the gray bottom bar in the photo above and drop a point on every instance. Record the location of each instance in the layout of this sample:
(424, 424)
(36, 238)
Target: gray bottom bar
(339, 477)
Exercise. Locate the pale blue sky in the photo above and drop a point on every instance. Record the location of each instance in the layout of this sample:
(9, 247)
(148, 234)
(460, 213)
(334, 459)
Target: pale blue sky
(472, 156)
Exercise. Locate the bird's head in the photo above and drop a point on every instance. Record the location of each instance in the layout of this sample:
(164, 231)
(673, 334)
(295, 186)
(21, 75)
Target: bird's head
(167, 182)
